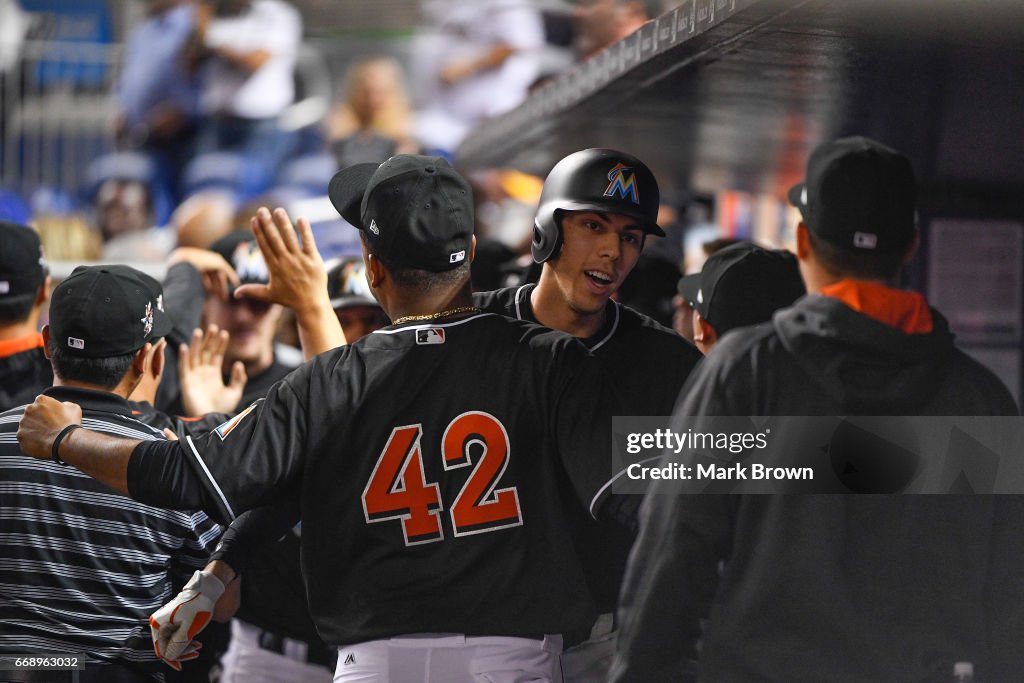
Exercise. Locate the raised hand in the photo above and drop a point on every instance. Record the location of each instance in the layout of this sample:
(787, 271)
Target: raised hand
(200, 373)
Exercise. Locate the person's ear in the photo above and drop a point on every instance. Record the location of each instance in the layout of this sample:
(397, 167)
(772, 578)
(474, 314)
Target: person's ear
(159, 360)
(142, 359)
(803, 241)
(708, 334)
(46, 341)
(375, 271)
(472, 249)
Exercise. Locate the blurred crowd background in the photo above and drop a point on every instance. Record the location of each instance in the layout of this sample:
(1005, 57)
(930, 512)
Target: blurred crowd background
(130, 127)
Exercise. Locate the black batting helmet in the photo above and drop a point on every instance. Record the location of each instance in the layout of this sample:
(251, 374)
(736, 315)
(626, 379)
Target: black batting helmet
(603, 180)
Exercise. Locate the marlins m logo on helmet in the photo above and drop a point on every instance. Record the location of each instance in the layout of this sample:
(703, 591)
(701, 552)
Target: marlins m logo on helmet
(622, 182)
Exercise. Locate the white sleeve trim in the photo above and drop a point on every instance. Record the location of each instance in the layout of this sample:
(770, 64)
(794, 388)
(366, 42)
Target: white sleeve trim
(599, 496)
(209, 476)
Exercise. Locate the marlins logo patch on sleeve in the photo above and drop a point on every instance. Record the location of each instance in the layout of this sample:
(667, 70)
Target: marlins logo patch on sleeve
(228, 426)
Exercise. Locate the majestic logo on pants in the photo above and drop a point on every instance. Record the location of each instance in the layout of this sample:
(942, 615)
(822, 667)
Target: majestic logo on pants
(622, 182)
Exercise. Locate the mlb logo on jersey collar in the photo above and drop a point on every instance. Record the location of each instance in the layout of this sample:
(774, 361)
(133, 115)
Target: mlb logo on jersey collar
(430, 335)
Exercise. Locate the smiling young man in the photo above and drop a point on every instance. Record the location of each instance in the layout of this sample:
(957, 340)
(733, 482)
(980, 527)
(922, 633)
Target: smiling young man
(596, 210)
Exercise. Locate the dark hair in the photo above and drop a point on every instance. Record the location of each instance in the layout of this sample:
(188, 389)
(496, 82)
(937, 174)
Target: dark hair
(16, 311)
(845, 263)
(424, 280)
(105, 373)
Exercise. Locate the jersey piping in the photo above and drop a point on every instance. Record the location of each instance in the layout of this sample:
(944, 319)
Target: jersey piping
(209, 477)
(427, 326)
(593, 347)
(600, 495)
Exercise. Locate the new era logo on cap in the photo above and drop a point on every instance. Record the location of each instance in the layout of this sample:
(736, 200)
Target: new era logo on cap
(373, 227)
(5, 286)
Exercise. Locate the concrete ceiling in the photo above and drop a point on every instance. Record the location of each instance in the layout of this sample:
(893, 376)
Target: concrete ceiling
(734, 93)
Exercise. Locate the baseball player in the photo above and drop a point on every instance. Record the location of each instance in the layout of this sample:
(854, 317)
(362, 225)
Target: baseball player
(842, 588)
(596, 210)
(739, 286)
(24, 291)
(81, 569)
(431, 460)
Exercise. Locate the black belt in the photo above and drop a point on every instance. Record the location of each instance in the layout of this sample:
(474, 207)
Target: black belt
(316, 653)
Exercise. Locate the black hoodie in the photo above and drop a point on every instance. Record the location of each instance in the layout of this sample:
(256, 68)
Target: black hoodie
(837, 588)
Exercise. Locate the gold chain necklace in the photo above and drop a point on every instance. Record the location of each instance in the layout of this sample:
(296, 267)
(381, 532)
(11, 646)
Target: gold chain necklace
(435, 316)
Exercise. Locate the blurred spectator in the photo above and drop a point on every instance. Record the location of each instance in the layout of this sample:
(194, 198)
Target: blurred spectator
(740, 285)
(247, 50)
(157, 97)
(506, 201)
(14, 24)
(374, 121)
(475, 59)
(600, 23)
(128, 203)
(357, 310)
(24, 290)
(123, 206)
(203, 218)
(68, 238)
(124, 217)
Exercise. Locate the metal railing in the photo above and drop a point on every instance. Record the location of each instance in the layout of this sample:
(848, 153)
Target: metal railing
(57, 114)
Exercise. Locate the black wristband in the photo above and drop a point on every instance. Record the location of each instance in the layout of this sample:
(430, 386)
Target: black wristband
(56, 442)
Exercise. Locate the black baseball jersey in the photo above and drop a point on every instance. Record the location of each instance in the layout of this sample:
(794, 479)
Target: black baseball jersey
(433, 463)
(647, 364)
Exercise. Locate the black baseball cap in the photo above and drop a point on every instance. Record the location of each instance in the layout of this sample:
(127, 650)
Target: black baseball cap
(102, 311)
(22, 266)
(346, 285)
(415, 211)
(859, 195)
(743, 284)
(239, 248)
